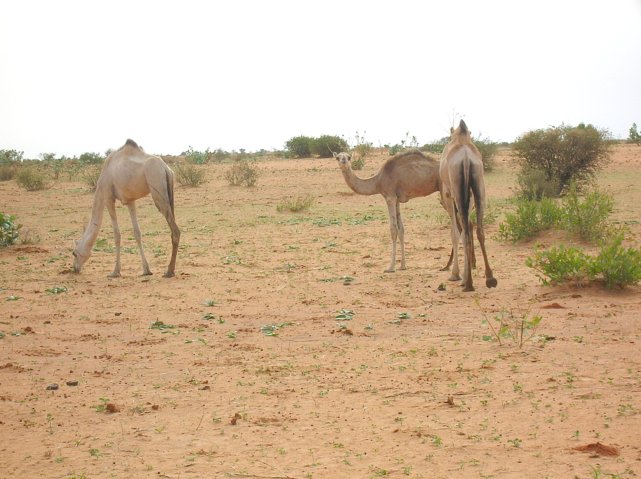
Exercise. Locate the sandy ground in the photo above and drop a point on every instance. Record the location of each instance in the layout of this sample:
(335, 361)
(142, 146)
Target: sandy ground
(238, 367)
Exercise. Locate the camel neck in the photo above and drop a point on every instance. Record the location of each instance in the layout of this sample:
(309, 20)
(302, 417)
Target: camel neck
(362, 186)
(93, 228)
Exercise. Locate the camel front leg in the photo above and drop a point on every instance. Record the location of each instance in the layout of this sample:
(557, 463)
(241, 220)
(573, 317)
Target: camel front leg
(134, 222)
(391, 208)
(401, 233)
(111, 208)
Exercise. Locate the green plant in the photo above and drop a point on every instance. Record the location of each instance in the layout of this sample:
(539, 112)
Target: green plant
(515, 325)
(530, 218)
(326, 145)
(564, 154)
(90, 176)
(300, 146)
(361, 150)
(560, 264)
(8, 157)
(91, 159)
(9, 230)
(407, 143)
(242, 172)
(587, 218)
(196, 157)
(358, 163)
(634, 136)
(32, 179)
(189, 174)
(300, 203)
(488, 149)
(535, 185)
(7, 172)
(616, 264)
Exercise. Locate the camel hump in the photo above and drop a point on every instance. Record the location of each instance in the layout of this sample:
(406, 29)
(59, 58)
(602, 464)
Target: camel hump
(131, 142)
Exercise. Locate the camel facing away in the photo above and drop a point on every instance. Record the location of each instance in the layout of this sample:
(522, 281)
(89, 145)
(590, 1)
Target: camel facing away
(402, 177)
(461, 172)
(128, 175)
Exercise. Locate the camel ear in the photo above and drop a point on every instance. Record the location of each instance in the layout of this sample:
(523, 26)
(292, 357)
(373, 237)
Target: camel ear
(335, 154)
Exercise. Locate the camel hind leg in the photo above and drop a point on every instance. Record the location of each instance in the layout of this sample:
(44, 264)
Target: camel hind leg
(479, 194)
(164, 203)
(393, 218)
(401, 233)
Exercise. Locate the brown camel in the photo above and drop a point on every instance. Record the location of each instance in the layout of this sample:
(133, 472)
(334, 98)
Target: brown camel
(461, 171)
(402, 177)
(127, 175)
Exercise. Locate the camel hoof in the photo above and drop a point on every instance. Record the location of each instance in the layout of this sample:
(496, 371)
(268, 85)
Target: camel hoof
(454, 277)
(168, 274)
(445, 268)
(146, 273)
(113, 275)
(390, 270)
(467, 289)
(491, 282)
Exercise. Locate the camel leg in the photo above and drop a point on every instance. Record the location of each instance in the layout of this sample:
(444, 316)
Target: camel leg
(111, 208)
(134, 222)
(454, 232)
(163, 206)
(391, 207)
(490, 280)
(468, 248)
(401, 233)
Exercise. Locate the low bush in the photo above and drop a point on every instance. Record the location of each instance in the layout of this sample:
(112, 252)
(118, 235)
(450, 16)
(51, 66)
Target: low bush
(615, 264)
(197, 157)
(7, 172)
(535, 185)
(189, 174)
(31, 179)
(91, 158)
(300, 146)
(300, 203)
(242, 172)
(588, 217)
(326, 145)
(9, 230)
(90, 176)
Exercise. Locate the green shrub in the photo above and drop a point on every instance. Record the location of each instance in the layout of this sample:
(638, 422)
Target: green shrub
(560, 264)
(300, 146)
(8, 157)
(197, 157)
(535, 185)
(91, 159)
(90, 175)
(300, 203)
(189, 174)
(7, 172)
(31, 179)
(219, 155)
(9, 230)
(437, 146)
(242, 172)
(617, 265)
(326, 145)
(488, 150)
(530, 218)
(634, 136)
(564, 154)
(358, 163)
(587, 218)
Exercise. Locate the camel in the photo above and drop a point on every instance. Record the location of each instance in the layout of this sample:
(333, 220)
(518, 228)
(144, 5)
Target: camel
(402, 177)
(461, 170)
(128, 175)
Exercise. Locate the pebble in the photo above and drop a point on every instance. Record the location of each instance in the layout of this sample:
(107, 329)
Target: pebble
(52, 387)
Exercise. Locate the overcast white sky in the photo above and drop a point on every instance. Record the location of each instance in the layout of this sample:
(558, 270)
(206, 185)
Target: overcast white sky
(81, 76)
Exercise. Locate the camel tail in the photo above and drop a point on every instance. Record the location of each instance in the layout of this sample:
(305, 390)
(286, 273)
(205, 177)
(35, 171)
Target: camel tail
(464, 193)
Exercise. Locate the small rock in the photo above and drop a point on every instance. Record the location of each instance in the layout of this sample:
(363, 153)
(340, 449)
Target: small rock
(72, 383)
(52, 387)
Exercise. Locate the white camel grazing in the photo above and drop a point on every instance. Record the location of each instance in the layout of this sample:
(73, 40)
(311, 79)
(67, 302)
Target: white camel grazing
(402, 177)
(127, 175)
(461, 172)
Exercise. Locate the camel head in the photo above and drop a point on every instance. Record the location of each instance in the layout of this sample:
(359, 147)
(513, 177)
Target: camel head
(79, 257)
(344, 160)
